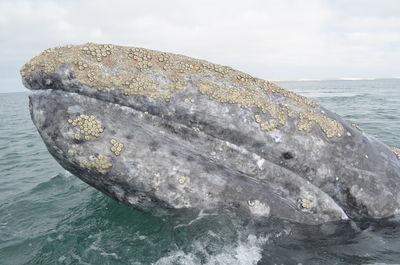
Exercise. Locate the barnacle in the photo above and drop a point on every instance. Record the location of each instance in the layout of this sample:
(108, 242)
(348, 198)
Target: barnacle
(305, 204)
(182, 180)
(88, 127)
(100, 162)
(116, 147)
(396, 151)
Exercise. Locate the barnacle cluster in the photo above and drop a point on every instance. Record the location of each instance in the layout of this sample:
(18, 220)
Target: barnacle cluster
(305, 204)
(81, 65)
(100, 163)
(290, 97)
(266, 126)
(307, 118)
(138, 84)
(88, 127)
(187, 100)
(243, 77)
(163, 57)
(396, 151)
(116, 147)
(47, 66)
(185, 67)
(304, 108)
(97, 51)
(222, 70)
(142, 56)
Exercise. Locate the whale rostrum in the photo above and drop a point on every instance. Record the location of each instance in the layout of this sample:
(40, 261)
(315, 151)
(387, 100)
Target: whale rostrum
(157, 130)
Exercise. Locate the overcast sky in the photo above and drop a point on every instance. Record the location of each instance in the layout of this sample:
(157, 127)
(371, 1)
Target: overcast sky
(271, 39)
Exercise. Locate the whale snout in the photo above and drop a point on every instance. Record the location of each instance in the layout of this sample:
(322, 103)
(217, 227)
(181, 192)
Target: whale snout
(163, 131)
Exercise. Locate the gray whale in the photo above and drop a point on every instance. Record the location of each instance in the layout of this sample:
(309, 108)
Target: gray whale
(165, 132)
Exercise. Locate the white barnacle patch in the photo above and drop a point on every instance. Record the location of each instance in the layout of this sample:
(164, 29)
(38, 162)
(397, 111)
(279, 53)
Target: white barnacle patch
(258, 208)
(182, 180)
(88, 127)
(116, 147)
(305, 204)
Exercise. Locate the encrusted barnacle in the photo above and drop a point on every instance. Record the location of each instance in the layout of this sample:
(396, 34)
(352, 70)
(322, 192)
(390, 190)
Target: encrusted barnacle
(100, 162)
(163, 57)
(97, 51)
(396, 151)
(185, 67)
(81, 65)
(266, 126)
(137, 85)
(305, 204)
(168, 67)
(144, 65)
(247, 99)
(251, 203)
(91, 76)
(189, 100)
(178, 84)
(116, 147)
(308, 118)
(88, 127)
(243, 77)
(139, 54)
(222, 70)
(182, 180)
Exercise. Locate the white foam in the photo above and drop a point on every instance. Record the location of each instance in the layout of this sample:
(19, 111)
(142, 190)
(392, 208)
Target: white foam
(245, 252)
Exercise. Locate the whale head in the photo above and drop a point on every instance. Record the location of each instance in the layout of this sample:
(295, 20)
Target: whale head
(156, 130)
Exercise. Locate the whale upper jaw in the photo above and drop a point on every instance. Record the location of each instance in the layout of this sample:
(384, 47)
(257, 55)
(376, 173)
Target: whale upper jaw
(179, 154)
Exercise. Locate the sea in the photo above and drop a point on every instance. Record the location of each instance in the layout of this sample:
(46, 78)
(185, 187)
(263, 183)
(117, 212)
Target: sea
(49, 216)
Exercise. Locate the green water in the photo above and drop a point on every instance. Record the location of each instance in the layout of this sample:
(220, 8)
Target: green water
(48, 216)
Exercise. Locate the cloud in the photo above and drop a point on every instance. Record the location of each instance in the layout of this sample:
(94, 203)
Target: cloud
(272, 39)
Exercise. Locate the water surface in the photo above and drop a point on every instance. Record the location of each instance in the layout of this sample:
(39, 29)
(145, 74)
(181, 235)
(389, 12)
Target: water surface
(48, 216)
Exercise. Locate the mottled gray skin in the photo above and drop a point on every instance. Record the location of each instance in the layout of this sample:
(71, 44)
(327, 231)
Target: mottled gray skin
(228, 162)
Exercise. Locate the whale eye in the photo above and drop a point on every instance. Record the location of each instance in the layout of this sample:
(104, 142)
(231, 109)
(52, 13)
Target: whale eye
(287, 155)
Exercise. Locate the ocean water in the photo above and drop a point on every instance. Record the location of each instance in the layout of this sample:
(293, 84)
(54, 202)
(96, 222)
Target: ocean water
(48, 216)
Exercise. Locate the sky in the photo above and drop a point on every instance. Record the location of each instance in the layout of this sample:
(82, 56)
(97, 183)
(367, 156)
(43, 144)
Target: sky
(270, 39)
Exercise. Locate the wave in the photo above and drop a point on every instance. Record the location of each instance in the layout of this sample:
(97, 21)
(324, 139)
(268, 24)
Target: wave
(242, 252)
